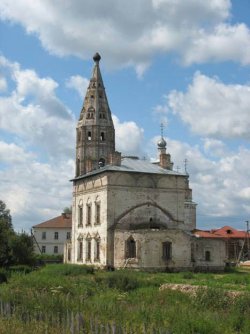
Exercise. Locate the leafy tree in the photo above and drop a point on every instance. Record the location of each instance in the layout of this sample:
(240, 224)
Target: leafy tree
(22, 249)
(6, 233)
(67, 209)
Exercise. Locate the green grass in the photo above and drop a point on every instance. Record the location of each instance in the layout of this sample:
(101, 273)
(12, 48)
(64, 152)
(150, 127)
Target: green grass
(133, 299)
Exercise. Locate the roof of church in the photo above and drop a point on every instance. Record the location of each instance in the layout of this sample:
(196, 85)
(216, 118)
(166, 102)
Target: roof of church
(63, 221)
(227, 232)
(135, 165)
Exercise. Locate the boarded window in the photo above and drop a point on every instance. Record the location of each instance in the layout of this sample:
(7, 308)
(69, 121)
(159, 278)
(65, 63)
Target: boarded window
(130, 248)
(167, 250)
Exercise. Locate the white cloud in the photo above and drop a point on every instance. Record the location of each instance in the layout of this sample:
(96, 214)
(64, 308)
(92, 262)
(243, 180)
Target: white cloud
(220, 186)
(212, 108)
(3, 84)
(197, 30)
(129, 137)
(79, 83)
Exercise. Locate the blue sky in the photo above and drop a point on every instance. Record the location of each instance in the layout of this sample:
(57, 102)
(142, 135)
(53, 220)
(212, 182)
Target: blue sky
(183, 63)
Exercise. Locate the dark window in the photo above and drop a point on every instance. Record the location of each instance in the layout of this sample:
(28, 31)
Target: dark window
(68, 236)
(56, 234)
(80, 216)
(97, 250)
(130, 248)
(88, 214)
(89, 135)
(43, 235)
(167, 250)
(98, 212)
(43, 249)
(80, 250)
(102, 136)
(101, 163)
(207, 256)
(55, 249)
(78, 167)
(88, 250)
(69, 254)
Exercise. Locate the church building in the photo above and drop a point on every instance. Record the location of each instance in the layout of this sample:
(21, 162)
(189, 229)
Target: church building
(127, 212)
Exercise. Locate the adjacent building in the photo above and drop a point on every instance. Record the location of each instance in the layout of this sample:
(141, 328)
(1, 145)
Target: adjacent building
(127, 212)
(50, 236)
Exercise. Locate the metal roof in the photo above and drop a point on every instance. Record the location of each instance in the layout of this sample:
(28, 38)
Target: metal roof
(133, 165)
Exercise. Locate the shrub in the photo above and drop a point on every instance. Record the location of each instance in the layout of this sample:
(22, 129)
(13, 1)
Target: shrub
(188, 275)
(3, 276)
(22, 268)
(122, 280)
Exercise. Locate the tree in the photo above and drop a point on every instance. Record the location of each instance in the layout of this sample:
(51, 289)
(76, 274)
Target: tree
(6, 233)
(67, 209)
(22, 249)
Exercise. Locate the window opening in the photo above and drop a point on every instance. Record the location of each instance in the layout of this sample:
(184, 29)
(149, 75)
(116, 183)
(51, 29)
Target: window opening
(80, 216)
(167, 250)
(56, 234)
(130, 248)
(43, 235)
(97, 250)
(88, 249)
(207, 256)
(98, 213)
(55, 249)
(80, 250)
(43, 249)
(102, 138)
(88, 214)
(68, 236)
(69, 254)
(89, 135)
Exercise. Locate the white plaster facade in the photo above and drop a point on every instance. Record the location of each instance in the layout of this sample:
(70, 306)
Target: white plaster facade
(51, 236)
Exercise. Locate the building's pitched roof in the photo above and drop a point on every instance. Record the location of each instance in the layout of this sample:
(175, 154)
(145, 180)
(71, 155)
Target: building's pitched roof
(63, 221)
(135, 165)
(225, 232)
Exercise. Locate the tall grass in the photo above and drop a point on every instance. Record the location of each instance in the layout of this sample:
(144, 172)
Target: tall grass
(130, 299)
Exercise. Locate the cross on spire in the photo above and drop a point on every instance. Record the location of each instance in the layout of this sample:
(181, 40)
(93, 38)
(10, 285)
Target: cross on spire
(185, 165)
(162, 127)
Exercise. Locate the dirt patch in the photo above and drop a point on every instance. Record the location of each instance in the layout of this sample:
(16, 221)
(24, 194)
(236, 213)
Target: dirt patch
(192, 289)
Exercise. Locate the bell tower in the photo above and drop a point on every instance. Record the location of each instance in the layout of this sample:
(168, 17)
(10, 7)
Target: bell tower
(95, 133)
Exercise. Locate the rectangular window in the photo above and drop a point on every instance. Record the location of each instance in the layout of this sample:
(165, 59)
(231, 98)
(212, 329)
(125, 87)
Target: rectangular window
(97, 250)
(167, 250)
(80, 250)
(88, 250)
(43, 249)
(97, 213)
(88, 214)
(89, 135)
(80, 216)
(55, 249)
(44, 235)
(69, 254)
(56, 235)
(207, 255)
(68, 236)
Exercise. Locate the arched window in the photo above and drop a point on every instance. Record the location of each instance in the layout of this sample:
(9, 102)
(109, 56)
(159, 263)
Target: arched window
(101, 163)
(89, 135)
(207, 255)
(130, 248)
(102, 137)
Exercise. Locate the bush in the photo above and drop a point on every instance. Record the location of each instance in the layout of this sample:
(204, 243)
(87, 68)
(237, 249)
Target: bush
(122, 280)
(3, 276)
(188, 275)
(22, 268)
(68, 269)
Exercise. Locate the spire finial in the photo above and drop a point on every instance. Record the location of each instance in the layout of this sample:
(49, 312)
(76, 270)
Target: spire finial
(162, 127)
(185, 165)
(96, 58)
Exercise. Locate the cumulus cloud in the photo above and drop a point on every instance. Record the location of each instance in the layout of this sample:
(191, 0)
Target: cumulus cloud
(129, 137)
(212, 108)
(220, 186)
(78, 83)
(197, 30)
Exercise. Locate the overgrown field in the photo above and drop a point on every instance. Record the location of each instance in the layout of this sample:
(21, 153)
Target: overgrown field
(61, 298)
